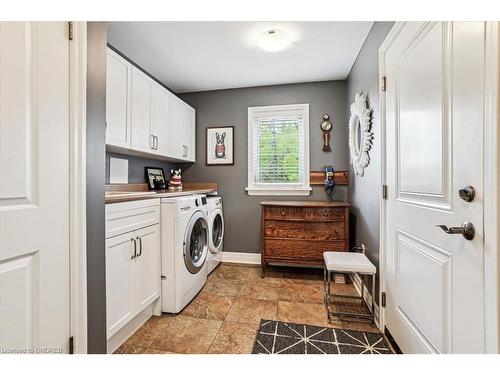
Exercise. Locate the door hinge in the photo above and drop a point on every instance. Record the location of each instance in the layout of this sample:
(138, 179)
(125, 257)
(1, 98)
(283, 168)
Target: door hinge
(70, 30)
(384, 191)
(383, 83)
(384, 299)
(71, 345)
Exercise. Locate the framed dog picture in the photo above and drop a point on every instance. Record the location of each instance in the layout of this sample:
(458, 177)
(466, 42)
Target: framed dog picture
(155, 178)
(220, 145)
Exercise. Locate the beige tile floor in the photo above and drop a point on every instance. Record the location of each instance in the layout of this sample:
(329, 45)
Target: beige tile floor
(224, 317)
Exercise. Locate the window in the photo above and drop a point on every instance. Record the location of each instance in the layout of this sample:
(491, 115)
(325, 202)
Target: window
(278, 150)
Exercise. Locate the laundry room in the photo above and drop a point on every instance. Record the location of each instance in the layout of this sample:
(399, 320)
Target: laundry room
(202, 187)
(225, 193)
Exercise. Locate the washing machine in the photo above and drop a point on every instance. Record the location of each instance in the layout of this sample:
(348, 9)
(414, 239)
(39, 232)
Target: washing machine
(184, 250)
(215, 232)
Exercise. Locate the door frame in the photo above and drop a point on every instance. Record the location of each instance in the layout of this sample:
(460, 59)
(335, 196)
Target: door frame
(491, 154)
(77, 187)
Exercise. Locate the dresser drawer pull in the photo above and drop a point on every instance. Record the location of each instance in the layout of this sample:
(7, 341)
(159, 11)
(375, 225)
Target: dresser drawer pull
(283, 213)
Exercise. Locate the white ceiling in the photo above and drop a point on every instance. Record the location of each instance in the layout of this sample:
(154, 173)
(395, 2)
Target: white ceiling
(199, 56)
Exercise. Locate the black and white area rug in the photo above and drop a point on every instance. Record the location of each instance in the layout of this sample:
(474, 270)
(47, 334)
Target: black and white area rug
(290, 338)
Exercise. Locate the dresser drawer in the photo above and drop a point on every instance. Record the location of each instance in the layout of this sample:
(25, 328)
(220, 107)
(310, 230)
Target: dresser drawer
(284, 213)
(300, 249)
(285, 229)
(326, 231)
(305, 230)
(324, 213)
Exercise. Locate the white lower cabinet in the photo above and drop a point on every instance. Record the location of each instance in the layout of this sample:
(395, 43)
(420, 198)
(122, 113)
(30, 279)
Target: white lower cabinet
(133, 277)
(120, 282)
(147, 266)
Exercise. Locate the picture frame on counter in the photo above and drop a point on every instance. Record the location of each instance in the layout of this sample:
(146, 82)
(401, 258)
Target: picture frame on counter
(220, 145)
(155, 178)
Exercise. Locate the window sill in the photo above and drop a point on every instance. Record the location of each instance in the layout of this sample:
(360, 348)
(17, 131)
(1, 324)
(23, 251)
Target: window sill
(298, 191)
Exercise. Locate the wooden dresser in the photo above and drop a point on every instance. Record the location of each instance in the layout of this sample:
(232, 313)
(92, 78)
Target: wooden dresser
(298, 232)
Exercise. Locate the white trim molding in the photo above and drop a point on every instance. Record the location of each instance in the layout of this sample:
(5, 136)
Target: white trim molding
(383, 165)
(302, 188)
(78, 217)
(244, 258)
(491, 188)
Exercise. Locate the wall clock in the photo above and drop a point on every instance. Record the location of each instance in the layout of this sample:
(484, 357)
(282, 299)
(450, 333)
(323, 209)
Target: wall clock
(326, 126)
(360, 135)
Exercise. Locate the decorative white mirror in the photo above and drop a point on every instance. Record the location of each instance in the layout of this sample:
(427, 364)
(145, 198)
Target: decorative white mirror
(360, 135)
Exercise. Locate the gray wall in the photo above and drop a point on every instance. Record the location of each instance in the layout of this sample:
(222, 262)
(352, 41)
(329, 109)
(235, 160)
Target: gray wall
(364, 192)
(136, 166)
(96, 135)
(229, 107)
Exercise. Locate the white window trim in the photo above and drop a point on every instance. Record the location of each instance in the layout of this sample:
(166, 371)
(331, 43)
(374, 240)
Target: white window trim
(278, 189)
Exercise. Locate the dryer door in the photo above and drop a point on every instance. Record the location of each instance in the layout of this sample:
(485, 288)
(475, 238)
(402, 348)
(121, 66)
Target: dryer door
(217, 231)
(196, 242)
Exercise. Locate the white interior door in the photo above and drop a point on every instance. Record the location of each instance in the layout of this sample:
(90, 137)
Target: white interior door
(34, 186)
(434, 112)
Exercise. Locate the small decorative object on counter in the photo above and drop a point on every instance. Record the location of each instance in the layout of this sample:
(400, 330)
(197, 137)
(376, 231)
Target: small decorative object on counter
(175, 182)
(329, 179)
(155, 178)
(326, 126)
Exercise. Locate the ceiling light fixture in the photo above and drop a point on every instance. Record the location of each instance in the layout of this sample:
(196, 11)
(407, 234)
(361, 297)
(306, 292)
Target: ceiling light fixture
(274, 40)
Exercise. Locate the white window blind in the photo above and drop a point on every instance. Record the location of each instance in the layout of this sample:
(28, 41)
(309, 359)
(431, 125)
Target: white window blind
(278, 150)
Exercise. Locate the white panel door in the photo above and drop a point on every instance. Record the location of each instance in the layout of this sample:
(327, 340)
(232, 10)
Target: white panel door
(148, 266)
(160, 107)
(120, 281)
(117, 95)
(34, 181)
(140, 107)
(434, 113)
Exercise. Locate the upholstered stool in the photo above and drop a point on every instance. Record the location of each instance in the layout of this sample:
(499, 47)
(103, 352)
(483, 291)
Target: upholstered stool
(348, 263)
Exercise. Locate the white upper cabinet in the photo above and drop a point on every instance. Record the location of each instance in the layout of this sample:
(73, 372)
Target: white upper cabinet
(182, 128)
(160, 124)
(143, 117)
(190, 133)
(117, 94)
(140, 111)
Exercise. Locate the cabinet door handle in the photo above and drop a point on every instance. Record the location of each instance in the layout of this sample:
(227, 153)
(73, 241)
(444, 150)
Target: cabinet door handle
(135, 249)
(151, 141)
(140, 246)
(187, 151)
(156, 142)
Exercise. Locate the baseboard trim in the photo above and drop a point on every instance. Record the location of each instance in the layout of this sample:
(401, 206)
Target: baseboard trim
(245, 258)
(356, 280)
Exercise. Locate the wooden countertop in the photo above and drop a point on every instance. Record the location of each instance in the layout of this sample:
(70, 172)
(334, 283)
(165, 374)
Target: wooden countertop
(113, 190)
(305, 203)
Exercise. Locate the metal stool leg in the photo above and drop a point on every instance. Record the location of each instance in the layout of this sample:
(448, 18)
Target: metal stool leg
(373, 297)
(324, 284)
(362, 288)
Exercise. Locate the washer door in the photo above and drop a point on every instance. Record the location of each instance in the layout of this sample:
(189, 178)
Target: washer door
(217, 232)
(196, 242)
